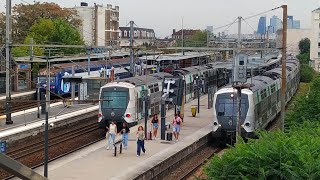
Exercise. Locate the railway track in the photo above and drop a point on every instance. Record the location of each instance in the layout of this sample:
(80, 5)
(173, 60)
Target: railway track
(189, 167)
(61, 144)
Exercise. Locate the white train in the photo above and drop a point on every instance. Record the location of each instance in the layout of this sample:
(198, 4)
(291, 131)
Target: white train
(260, 104)
(121, 100)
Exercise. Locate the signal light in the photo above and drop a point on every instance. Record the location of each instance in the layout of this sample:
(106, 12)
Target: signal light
(128, 115)
(99, 115)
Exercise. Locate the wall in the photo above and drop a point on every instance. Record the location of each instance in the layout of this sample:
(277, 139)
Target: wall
(314, 39)
(86, 15)
(293, 38)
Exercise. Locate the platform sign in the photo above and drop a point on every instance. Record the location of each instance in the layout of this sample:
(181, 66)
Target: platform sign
(3, 147)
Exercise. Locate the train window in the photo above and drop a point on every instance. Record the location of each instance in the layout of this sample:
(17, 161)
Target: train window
(114, 99)
(273, 88)
(156, 88)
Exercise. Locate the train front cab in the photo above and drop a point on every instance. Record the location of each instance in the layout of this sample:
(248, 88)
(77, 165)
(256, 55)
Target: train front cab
(225, 116)
(114, 106)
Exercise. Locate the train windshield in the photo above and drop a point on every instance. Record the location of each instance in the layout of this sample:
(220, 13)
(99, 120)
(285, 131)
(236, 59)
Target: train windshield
(228, 105)
(114, 99)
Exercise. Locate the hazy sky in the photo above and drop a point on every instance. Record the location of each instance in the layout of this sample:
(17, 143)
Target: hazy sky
(165, 15)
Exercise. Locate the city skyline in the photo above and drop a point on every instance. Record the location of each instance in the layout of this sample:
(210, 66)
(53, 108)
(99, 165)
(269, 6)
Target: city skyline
(163, 18)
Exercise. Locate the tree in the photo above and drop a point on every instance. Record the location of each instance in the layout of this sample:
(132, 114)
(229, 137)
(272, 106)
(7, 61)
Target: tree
(304, 46)
(304, 58)
(26, 15)
(2, 28)
(46, 31)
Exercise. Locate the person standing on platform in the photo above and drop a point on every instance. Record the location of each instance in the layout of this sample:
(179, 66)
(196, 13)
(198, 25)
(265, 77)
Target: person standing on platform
(176, 126)
(112, 134)
(140, 141)
(125, 135)
(155, 125)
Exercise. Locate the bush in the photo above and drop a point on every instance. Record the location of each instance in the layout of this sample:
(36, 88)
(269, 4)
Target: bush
(307, 73)
(294, 154)
(275, 155)
(306, 107)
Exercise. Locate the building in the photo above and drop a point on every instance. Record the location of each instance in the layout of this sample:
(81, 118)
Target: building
(209, 29)
(275, 24)
(315, 39)
(141, 36)
(100, 25)
(294, 36)
(262, 25)
(290, 22)
(187, 33)
(296, 24)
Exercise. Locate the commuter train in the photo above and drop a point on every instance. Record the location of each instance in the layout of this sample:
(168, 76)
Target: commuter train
(260, 104)
(122, 100)
(57, 71)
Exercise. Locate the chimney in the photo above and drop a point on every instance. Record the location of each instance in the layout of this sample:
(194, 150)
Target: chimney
(173, 31)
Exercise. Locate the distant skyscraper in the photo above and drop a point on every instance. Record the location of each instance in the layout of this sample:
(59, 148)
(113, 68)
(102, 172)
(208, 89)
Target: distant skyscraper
(262, 25)
(275, 24)
(290, 22)
(296, 24)
(210, 29)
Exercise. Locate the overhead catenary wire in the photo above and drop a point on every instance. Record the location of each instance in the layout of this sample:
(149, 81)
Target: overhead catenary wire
(247, 18)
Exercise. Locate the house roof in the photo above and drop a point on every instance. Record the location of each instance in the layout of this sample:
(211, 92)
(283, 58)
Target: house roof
(186, 32)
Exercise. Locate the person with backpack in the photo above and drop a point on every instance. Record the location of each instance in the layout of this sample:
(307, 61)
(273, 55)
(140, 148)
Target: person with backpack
(125, 135)
(155, 125)
(112, 134)
(176, 127)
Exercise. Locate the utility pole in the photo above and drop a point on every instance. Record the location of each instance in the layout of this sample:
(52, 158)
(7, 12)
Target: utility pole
(182, 37)
(73, 87)
(239, 84)
(131, 48)
(46, 126)
(239, 33)
(283, 64)
(89, 59)
(8, 41)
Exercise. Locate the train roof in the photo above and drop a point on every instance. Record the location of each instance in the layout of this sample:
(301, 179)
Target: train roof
(141, 80)
(176, 56)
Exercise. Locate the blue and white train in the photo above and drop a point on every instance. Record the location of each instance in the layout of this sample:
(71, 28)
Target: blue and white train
(57, 72)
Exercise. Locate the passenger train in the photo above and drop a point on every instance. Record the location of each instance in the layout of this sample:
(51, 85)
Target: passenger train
(58, 71)
(260, 104)
(121, 100)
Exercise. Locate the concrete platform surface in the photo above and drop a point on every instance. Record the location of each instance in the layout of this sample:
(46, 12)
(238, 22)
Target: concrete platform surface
(23, 118)
(95, 162)
(17, 94)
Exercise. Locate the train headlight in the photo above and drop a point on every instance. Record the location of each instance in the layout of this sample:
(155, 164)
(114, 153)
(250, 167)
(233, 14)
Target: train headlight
(247, 124)
(215, 124)
(128, 115)
(99, 115)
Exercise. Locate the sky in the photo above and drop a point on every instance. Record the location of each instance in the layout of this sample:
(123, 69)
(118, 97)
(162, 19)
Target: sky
(165, 15)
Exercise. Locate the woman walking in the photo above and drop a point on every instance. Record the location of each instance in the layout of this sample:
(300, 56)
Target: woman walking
(155, 125)
(125, 135)
(112, 134)
(140, 141)
(176, 126)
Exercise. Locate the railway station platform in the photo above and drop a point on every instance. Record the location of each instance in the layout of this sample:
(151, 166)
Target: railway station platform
(96, 162)
(23, 118)
(17, 94)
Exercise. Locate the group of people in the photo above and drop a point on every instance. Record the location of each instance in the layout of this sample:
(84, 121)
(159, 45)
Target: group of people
(140, 135)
